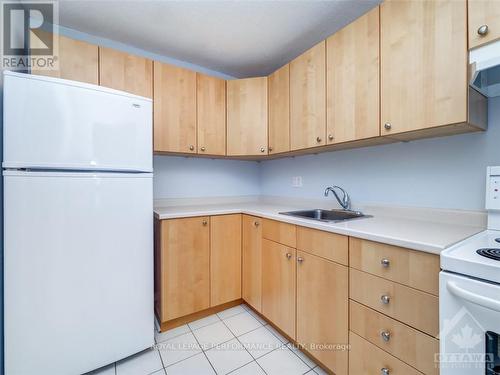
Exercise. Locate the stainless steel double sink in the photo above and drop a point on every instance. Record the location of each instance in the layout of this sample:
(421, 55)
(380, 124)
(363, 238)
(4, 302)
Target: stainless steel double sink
(334, 216)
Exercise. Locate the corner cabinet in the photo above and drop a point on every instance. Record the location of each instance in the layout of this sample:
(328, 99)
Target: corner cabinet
(352, 90)
(247, 117)
(424, 88)
(174, 110)
(279, 110)
(308, 99)
(252, 261)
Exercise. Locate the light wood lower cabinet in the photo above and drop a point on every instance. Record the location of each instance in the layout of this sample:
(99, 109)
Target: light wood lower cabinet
(278, 285)
(182, 257)
(366, 359)
(225, 259)
(323, 309)
(252, 261)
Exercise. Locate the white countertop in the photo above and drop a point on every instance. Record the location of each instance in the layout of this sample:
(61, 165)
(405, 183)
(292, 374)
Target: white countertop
(441, 229)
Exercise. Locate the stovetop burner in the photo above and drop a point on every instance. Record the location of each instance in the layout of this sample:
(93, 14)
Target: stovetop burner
(497, 240)
(489, 253)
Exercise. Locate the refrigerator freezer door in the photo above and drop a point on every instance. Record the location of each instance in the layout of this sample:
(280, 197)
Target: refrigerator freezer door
(52, 123)
(78, 281)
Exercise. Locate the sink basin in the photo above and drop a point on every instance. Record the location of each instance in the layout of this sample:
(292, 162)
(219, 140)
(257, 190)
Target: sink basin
(326, 215)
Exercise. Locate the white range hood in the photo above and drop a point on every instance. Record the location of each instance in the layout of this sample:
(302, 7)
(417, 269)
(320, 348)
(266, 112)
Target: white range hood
(485, 69)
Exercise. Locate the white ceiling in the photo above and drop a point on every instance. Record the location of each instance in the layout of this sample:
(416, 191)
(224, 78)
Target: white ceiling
(238, 38)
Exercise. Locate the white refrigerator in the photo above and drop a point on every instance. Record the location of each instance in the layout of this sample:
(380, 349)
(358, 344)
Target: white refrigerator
(78, 225)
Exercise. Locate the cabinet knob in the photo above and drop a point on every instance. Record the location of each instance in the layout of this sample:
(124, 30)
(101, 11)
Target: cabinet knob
(385, 262)
(386, 335)
(385, 299)
(300, 259)
(262, 149)
(330, 137)
(288, 255)
(387, 126)
(203, 149)
(191, 147)
(256, 223)
(385, 371)
(270, 149)
(204, 222)
(318, 139)
(482, 30)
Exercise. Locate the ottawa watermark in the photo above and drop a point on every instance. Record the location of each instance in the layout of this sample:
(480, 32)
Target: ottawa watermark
(29, 35)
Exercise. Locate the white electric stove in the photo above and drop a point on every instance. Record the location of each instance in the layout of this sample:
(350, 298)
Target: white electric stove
(469, 303)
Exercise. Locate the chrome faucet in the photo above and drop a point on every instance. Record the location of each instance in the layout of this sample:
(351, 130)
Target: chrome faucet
(344, 201)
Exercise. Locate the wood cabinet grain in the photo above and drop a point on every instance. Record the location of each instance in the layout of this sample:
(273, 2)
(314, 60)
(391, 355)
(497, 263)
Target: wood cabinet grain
(279, 110)
(252, 261)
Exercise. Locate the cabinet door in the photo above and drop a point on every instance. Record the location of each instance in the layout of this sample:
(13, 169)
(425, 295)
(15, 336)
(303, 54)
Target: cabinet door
(252, 261)
(122, 71)
(483, 13)
(424, 64)
(78, 61)
(353, 80)
(322, 308)
(185, 267)
(308, 99)
(211, 114)
(174, 109)
(247, 116)
(225, 259)
(279, 110)
(278, 285)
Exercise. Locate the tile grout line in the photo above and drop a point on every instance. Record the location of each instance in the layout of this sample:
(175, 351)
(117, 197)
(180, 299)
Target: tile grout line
(250, 354)
(201, 347)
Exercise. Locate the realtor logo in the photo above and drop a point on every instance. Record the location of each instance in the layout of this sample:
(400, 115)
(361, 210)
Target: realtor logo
(28, 35)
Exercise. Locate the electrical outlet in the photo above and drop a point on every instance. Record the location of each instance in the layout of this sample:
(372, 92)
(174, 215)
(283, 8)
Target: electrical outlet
(297, 181)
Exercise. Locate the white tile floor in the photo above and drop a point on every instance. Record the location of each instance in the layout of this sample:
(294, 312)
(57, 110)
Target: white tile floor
(235, 341)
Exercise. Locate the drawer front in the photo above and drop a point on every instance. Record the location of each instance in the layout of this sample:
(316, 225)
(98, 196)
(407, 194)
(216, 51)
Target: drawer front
(406, 343)
(413, 307)
(367, 359)
(324, 244)
(277, 231)
(417, 269)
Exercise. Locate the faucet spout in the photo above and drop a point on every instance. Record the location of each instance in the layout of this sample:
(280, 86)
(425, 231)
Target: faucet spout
(344, 200)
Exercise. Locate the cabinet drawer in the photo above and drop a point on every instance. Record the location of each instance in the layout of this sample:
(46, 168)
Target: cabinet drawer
(366, 358)
(279, 232)
(324, 244)
(409, 267)
(413, 307)
(406, 343)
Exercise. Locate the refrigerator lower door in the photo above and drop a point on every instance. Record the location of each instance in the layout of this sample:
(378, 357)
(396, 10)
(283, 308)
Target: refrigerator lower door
(78, 281)
(52, 123)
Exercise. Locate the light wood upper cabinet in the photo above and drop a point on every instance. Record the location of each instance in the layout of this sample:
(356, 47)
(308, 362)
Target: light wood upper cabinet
(122, 71)
(352, 78)
(211, 114)
(252, 261)
(322, 308)
(483, 13)
(78, 61)
(183, 256)
(225, 259)
(174, 109)
(278, 285)
(247, 116)
(424, 64)
(279, 110)
(308, 99)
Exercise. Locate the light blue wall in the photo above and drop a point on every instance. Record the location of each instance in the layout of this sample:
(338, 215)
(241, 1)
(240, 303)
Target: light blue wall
(444, 172)
(183, 177)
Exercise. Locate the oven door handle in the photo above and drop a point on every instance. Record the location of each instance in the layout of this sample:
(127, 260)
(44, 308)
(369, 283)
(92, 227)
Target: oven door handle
(473, 297)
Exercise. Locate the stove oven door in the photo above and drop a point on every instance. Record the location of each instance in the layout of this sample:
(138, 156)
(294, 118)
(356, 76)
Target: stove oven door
(469, 314)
